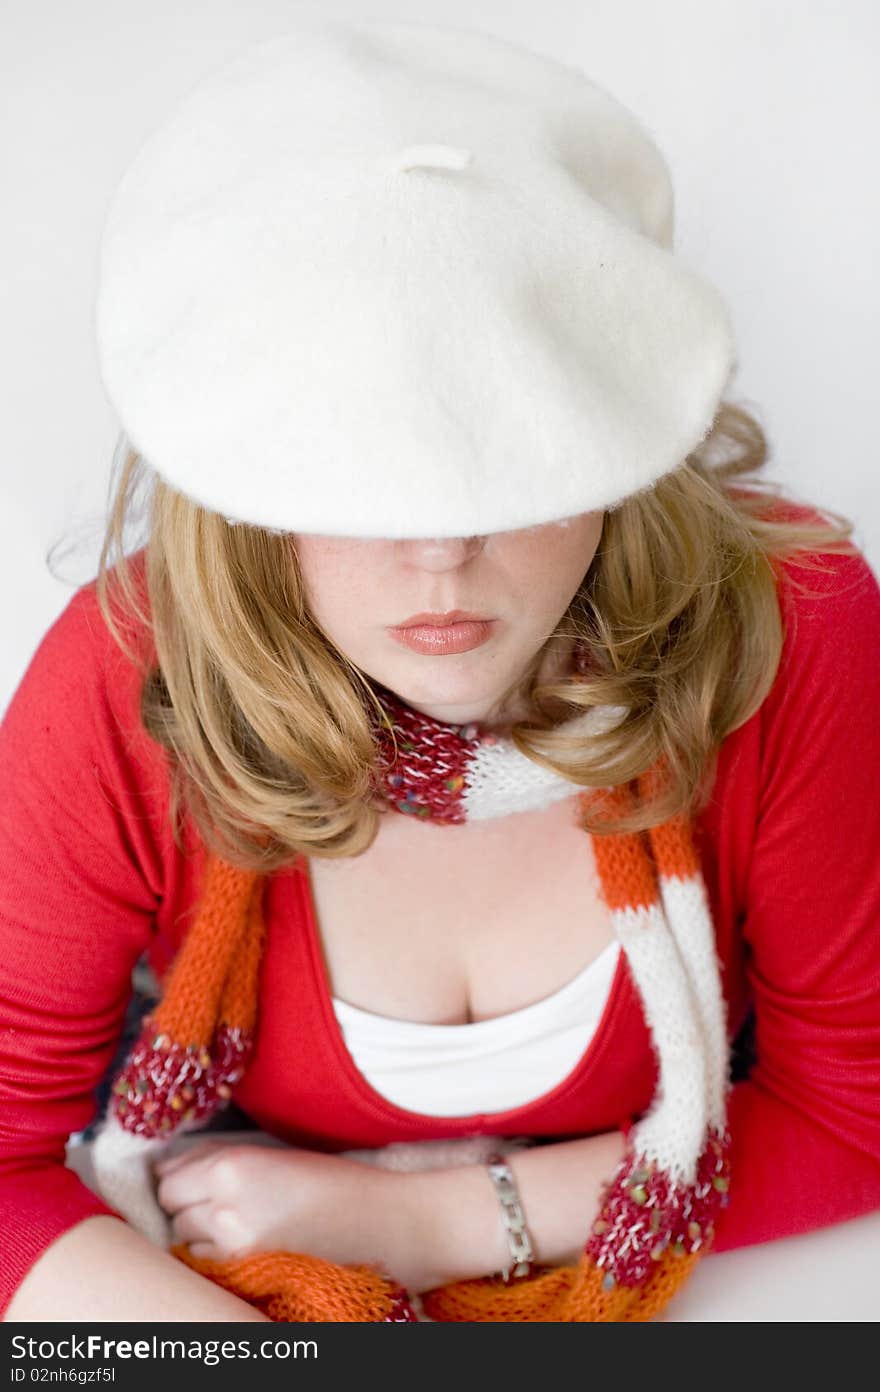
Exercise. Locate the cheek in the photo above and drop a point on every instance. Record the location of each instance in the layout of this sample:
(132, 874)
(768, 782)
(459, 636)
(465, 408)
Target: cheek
(341, 591)
(322, 565)
(557, 559)
(577, 544)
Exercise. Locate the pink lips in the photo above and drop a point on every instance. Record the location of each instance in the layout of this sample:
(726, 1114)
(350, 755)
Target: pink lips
(440, 639)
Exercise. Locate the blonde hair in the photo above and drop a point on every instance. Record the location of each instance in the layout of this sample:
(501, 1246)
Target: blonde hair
(267, 723)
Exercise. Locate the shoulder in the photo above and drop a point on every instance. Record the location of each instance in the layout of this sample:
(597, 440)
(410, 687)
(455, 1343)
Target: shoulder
(84, 784)
(77, 645)
(77, 704)
(829, 601)
(84, 615)
(830, 609)
(815, 728)
(819, 738)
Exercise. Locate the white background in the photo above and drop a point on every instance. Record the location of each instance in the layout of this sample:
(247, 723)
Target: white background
(764, 109)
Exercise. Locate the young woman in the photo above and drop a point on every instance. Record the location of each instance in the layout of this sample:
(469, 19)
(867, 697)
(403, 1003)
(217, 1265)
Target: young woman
(465, 971)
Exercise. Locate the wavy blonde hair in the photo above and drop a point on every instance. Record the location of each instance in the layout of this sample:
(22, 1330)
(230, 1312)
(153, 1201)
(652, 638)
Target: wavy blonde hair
(267, 723)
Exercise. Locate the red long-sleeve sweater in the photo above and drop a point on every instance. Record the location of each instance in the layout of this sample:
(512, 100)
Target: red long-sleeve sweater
(790, 848)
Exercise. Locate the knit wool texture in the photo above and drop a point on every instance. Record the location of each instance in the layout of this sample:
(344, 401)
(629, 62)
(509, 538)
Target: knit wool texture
(656, 1213)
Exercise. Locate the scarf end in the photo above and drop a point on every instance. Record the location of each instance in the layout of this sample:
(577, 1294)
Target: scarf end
(122, 1163)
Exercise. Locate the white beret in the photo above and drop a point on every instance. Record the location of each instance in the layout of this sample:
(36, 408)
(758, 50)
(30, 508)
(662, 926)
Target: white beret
(393, 279)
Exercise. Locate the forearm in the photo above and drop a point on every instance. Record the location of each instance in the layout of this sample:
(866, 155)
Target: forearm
(457, 1219)
(828, 1178)
(103, 1269)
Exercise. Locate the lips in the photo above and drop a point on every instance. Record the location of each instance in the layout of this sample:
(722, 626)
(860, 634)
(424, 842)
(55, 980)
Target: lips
(438, 640)
(429, 619)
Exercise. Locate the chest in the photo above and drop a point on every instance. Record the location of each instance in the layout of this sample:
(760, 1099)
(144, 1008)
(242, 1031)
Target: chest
(453, 924)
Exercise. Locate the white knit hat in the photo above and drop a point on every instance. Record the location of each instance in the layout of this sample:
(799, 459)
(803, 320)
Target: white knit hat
(402, 280)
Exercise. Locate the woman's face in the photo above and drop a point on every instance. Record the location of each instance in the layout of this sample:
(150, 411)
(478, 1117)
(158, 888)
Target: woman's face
(523, 581)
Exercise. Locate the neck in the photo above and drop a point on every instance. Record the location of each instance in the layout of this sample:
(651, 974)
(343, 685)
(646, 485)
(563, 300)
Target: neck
(500, 713)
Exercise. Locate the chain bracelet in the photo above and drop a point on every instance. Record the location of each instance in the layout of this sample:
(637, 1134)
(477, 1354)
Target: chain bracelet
(521, 1252)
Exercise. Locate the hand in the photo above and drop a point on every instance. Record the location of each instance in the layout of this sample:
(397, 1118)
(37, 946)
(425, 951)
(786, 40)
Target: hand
(231, 1200)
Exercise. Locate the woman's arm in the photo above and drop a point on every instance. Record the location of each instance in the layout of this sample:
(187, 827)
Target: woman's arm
(805, 1124)
(455, 1221)
(102, 1269)
(80, 880)
(424, 1227)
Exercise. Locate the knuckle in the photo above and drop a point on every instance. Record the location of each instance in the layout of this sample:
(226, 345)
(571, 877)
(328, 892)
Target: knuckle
(231, 1231)
(226, 1176)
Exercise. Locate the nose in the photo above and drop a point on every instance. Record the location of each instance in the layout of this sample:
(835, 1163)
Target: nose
(441, 553)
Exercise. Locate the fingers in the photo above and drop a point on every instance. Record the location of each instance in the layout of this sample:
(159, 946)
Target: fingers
(188, 1189)
(206, 1249)
(195, 1224)
(183, 1184)
(210, 1231)
(169, 1163)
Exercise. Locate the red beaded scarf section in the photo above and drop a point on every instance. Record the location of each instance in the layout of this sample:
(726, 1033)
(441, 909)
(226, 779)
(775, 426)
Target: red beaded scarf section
(657, 1212)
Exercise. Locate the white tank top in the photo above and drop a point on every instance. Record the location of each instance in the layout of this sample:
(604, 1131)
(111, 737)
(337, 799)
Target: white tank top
(489, 1065)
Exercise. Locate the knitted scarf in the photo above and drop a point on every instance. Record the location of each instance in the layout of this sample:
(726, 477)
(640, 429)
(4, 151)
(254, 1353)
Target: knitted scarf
(656, 1213)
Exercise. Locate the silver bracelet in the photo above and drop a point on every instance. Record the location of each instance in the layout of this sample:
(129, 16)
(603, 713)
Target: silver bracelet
(521, 1253)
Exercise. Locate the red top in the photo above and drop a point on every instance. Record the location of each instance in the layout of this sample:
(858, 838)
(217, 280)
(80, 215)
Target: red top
(790, 846)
